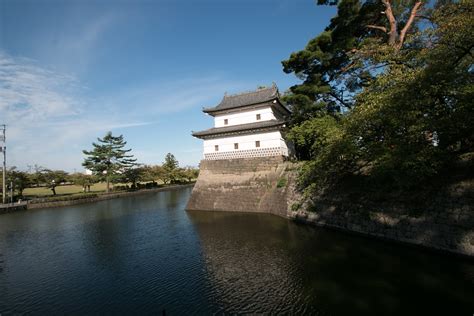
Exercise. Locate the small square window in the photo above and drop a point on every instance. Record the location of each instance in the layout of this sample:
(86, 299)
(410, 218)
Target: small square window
(258, 117)
(226, 121)
(216, 147)
(257, 143)
(236, 145)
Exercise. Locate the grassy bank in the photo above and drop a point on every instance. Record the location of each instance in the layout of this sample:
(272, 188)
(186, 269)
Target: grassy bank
(61, 190)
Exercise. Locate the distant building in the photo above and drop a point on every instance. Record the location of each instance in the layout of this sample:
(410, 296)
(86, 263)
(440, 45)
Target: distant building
(246, 125)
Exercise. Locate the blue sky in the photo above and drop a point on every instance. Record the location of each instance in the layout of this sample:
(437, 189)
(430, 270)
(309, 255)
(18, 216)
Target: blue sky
(72, 70)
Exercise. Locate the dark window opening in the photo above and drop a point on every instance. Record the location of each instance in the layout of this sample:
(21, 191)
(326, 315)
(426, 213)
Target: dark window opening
(226, 121)
(216, 147)
(258, 117)
(257, 143)
(236, 145)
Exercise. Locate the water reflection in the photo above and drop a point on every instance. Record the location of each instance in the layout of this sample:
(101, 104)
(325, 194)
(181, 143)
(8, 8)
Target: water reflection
(145, 254)
(259, 263)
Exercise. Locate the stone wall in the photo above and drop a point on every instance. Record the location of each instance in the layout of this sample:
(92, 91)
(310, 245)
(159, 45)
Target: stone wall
(444, 221)
(244, 185)
(9, 208)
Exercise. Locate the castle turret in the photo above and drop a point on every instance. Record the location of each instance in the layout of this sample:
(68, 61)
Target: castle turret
(246, 125)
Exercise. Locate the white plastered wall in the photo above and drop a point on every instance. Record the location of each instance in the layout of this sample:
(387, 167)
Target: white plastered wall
(271, 144)
(244, 117)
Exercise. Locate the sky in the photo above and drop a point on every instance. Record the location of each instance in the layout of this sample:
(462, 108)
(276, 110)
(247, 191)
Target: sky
(70, 71)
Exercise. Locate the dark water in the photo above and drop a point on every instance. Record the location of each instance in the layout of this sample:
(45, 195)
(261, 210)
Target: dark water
(145, 254)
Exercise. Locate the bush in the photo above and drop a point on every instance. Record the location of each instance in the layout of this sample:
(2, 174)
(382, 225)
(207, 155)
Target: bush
(282, 182)
(65, 198)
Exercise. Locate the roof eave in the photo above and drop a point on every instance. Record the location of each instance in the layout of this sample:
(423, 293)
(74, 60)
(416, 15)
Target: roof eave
(269, 102)
(277, 126)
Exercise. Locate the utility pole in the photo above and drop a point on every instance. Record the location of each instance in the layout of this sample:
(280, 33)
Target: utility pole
(3, 149)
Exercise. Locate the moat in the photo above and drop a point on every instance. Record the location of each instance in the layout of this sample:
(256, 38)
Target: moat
(145, 254)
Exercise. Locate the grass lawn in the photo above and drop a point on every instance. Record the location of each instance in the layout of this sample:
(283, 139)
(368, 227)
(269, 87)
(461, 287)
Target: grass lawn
(62, 189)
(68, 189)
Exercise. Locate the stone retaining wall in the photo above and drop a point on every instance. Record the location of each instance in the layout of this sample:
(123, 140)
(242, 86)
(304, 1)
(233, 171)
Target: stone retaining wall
(428, 231)
(243, 185)
(9, 208)
(267, 185)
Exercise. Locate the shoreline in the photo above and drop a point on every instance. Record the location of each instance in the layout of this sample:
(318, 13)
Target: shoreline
(97, 198)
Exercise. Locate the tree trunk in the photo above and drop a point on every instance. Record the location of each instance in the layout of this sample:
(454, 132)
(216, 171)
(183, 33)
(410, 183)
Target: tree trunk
(108, 184)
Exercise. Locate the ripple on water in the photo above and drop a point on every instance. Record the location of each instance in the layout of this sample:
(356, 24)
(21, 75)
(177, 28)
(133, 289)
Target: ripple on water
(146, 254)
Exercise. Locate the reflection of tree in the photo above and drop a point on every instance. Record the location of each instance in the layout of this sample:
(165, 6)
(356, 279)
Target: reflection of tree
(262, 263)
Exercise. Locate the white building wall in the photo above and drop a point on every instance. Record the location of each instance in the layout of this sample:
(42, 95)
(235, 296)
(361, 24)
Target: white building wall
(244, 117)
(271, 144)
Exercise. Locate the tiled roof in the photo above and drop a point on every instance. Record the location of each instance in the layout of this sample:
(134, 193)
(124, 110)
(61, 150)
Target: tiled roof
(239, 128)
(247, 98)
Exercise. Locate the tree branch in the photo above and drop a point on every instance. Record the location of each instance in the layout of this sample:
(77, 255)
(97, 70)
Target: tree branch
(392, 39)
(403, 32)
(466, 52)
(335, 96)
(382, 28)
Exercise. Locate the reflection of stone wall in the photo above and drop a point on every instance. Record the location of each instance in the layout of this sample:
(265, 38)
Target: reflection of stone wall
(244, 185)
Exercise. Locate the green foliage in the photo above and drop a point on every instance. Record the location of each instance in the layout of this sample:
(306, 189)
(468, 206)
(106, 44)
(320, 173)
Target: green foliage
(170, 162)
(133, 175)
(65, 198)
(108, 158)
(282, 182)
(409, 118)
(170, 166)
(86, 181)
(19, 179)
(295, 206)
(189, 173)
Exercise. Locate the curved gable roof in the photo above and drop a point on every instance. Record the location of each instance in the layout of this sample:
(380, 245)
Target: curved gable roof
(244, 99)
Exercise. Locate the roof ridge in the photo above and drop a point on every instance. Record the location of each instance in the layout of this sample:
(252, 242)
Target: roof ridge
(273, 86)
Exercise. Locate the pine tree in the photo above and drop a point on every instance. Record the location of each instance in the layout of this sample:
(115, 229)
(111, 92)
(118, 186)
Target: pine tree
(108, 158)
(170, 167)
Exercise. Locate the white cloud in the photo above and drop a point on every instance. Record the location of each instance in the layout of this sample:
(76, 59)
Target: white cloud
(50, 119)
(46, 115)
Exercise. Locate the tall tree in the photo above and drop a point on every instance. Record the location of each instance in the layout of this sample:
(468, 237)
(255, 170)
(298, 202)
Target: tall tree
(170, 167)
(108, 158)
(337, 64)
(408, 87)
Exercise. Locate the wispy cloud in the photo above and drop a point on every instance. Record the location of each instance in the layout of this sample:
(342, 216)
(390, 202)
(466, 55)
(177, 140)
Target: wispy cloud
(46, 113)
(51, 119)
(168, 96)
(75, 48)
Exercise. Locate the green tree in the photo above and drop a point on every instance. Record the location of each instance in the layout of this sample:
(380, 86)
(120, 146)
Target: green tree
(53, 178)
(134, 175)
(338, 63)
(189, 173)
(36, 175)
(159, 173)
(108, 158)
(170, 167)
(84, 180)
(19, 179)
(411, 112)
